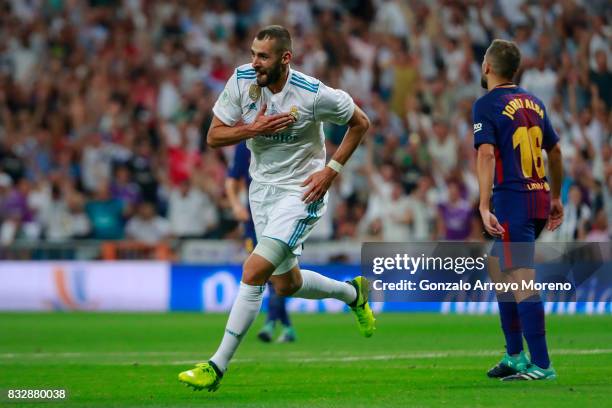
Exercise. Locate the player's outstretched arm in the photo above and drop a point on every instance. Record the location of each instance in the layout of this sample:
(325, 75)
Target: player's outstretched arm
(318, 183)
(485, 166)
(555, 168)
(220, 134)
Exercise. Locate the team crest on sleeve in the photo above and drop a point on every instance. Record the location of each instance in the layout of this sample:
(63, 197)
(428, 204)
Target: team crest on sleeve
(254, 92)
(294, 112)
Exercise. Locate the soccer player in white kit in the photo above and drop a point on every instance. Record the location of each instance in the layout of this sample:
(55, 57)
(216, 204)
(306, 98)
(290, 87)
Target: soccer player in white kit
(280, 112)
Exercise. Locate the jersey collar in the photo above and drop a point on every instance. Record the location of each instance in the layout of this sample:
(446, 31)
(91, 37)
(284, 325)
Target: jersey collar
(505, 85)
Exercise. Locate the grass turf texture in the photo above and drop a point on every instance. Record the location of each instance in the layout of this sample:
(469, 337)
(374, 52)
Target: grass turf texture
(132, 360)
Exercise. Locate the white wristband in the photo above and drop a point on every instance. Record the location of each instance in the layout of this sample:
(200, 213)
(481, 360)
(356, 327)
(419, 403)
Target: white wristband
(334, 165)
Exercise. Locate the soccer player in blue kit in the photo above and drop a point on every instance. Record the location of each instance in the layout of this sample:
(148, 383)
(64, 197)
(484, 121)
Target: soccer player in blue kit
(277, 310)
(511, 128)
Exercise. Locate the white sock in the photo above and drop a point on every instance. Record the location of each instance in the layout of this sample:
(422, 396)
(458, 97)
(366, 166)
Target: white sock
(317, 286)
(244, 311)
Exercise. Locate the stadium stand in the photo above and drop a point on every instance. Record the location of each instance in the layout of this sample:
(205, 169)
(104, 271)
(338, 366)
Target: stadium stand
(104, 108)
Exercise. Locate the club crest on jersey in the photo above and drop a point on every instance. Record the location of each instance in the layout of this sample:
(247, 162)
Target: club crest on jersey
(254, 92)
(293, 111)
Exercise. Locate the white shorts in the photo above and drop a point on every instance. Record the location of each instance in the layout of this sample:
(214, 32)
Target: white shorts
(281, 214)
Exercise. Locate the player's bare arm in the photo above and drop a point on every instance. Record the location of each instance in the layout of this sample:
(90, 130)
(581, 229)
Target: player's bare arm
(232, 189)
(485, 166)
(319, 182)
(555, 168)
(220, 134)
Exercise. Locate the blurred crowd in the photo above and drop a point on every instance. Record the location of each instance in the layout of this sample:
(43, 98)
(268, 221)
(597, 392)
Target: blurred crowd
(105, 105)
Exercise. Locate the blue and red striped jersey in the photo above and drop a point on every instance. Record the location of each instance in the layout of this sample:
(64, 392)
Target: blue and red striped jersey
(516, 124)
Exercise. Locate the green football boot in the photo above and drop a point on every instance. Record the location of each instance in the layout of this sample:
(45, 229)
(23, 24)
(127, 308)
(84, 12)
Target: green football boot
(266, 332)
(361, 308)
(287, 336)
(533, 372)
(510, 365)
(202, 376)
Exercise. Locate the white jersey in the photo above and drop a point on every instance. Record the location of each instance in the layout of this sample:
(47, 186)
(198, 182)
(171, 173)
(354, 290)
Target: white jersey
(286, 158)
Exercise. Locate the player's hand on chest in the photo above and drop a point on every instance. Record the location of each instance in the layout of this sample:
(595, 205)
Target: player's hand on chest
(253, 103)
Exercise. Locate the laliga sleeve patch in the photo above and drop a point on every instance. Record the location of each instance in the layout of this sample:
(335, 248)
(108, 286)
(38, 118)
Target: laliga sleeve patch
(225, 98)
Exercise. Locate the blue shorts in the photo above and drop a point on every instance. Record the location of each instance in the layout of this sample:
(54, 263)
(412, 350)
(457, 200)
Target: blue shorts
(517, 246)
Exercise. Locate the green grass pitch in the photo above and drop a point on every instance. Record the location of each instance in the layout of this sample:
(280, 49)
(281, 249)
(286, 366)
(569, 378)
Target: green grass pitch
(416, 360)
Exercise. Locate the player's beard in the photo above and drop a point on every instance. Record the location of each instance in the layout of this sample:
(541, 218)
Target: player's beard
(483, 82)
(272, 74)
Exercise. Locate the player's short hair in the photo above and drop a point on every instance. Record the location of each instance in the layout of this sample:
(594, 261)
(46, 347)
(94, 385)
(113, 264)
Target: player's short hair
(504, 57)
(277, 33)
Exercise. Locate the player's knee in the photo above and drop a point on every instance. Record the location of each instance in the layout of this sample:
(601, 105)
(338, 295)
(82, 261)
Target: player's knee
(272, 250)
(286, 279)
(251, 277)
(269, 255)
(255, 273)
(286, 287)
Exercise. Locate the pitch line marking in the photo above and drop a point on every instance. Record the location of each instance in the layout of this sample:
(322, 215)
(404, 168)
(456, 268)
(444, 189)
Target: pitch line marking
(9, 357)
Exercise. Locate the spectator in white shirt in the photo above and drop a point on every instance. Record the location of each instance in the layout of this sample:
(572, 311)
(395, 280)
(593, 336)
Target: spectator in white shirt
(146, 226)
(191, 211)
(397, 216)
(541, 80)
(443, 147)
(423, 214)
